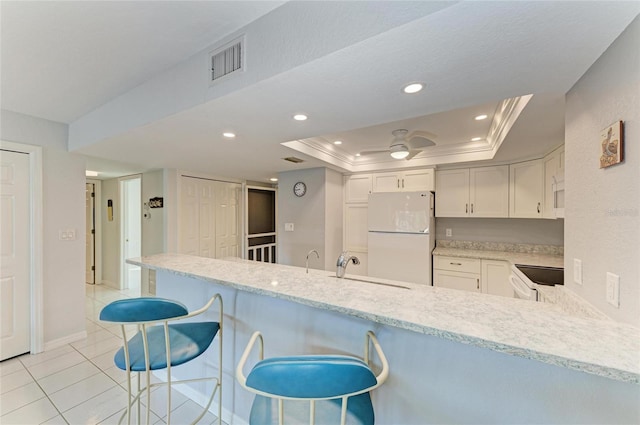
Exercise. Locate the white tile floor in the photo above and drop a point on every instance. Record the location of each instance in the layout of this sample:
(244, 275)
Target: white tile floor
(79, 383)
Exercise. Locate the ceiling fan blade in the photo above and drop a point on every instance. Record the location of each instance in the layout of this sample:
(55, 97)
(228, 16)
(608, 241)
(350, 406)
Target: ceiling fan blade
(413, 153)
(371, 152)
(417, 142)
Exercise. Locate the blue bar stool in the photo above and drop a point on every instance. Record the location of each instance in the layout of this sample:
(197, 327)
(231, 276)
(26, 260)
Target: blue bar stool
(318, 389)
(157, 344)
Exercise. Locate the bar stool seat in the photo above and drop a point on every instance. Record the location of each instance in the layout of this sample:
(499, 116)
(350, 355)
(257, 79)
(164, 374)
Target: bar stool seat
(318, 389)
(187, 341)
(159, 344)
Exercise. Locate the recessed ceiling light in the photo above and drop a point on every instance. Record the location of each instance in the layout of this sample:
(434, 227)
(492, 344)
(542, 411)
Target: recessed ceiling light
(273, 179)
(476, 139)
(413, 88)
(89, 173)
(300, 117)
(481, 117)
(337, 142)
(357, 154)
(229, 135)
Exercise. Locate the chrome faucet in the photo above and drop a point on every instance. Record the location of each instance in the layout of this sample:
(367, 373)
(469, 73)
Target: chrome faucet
(308, 254)
(343, 262)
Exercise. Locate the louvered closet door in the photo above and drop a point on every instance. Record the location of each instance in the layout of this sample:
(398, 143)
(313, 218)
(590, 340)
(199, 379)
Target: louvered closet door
(189, 213)
(207, 218)
(227, 220)
(15, 292)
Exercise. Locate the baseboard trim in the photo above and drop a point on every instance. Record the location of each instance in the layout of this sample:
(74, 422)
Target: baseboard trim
(201, 399)
(110, 284)
(57, 343)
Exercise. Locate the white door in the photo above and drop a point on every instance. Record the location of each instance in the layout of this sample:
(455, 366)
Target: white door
(207, 218)
(131, 204)
(227, 222)
(15, 306)
(90, 231)
(189, 223)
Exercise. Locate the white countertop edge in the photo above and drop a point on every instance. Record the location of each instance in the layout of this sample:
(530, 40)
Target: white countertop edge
(596, 369)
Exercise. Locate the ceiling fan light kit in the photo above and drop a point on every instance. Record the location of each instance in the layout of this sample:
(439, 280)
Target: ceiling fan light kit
(399, 151)
(403, 147)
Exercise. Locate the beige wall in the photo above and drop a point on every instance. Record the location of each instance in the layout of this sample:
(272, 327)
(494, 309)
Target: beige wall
(602, 223)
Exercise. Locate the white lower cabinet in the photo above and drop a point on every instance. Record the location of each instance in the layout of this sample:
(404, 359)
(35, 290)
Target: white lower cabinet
(472, 274)
(495, 278)
(457, 273)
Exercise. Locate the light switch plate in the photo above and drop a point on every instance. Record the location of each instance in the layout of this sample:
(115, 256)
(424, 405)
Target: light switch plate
(288, 227)
(577, 271)
(613, 289)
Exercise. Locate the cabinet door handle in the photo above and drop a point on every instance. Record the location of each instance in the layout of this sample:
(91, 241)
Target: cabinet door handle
(472, 208)
(538, 207)
(466, 208)
(478, 283)
(403, 183)
(456, 264)
(398, 181)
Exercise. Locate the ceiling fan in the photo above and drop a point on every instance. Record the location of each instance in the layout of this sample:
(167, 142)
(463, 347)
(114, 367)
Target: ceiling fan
(403, 146)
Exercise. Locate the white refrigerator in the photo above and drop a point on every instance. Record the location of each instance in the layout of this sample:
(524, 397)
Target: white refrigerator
(401, 236)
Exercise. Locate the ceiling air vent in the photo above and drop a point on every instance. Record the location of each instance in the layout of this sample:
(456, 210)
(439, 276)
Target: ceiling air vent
(293, 159)
(227, 60)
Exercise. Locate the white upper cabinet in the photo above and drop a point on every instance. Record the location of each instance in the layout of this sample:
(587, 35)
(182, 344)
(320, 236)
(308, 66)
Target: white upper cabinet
(474, 192)
(452, 193)
(489, 191)
(404, 181)
(357, 188)
(526, 189)
(553, 172)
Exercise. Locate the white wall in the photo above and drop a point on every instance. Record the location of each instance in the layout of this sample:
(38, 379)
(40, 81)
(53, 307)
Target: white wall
(153, 225)
(602, 224)
(333, 226)
(510, 230)
(317, 218)
(63, 208)
(307, 213)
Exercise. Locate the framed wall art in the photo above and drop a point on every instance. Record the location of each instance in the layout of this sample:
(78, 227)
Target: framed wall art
(612, 146)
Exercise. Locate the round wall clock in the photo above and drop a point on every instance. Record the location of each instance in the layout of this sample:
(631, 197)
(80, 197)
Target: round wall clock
(299, 189)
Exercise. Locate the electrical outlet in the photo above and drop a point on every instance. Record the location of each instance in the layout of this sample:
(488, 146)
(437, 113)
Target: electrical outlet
(613, 289)
(449, 233)
(577, 271)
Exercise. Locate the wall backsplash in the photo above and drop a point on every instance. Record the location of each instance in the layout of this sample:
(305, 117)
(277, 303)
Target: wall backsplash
(512, 230)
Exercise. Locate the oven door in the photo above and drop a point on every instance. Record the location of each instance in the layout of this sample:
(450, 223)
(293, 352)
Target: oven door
(522, 286)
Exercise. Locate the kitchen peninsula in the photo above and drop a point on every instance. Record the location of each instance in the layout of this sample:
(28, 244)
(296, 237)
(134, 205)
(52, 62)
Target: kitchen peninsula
(455, 357)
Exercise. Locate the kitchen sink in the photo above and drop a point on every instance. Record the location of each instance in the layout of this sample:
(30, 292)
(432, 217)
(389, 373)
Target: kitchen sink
(372, 282)
(549, 276)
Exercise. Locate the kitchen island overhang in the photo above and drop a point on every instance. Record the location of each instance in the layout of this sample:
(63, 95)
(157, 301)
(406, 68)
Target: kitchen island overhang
(410, 317)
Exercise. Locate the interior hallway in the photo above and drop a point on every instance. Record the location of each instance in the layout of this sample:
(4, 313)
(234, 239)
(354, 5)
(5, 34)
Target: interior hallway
(79, 383)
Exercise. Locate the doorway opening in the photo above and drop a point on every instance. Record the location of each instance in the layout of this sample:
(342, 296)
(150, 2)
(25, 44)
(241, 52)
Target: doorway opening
(90, 205)
(261, 224)
(130, 231)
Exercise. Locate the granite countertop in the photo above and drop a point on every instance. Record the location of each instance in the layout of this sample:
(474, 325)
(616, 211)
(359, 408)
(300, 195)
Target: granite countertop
(535, 255)
(536, 331)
